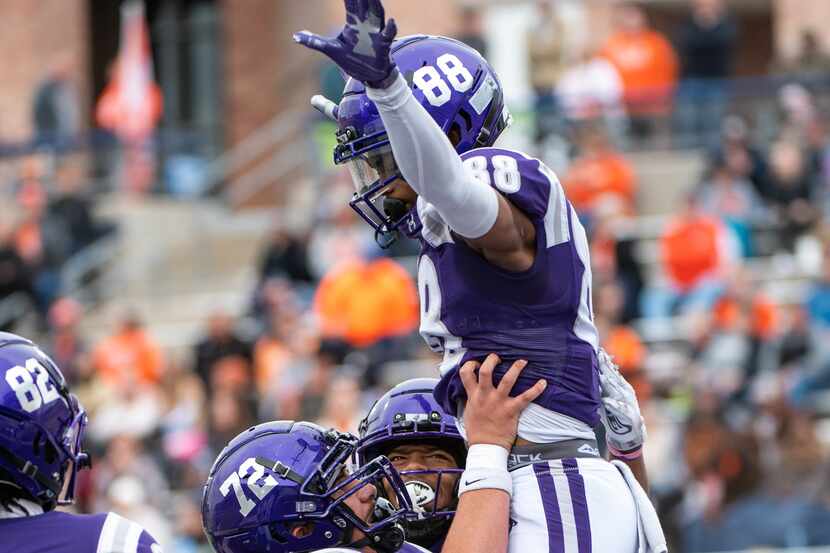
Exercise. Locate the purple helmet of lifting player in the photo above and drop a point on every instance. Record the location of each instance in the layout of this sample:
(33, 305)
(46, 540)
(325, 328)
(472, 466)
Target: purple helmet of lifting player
(473, 118)
(409, 427)
(287, 486)
(41, 427)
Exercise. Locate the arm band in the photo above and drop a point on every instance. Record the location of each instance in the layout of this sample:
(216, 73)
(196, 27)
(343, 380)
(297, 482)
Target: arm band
(630, 455)
(430, 164)
(486, 470)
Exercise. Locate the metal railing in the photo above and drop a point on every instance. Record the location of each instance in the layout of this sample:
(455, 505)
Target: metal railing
(13, 308)
(89, 261)
(81, 278)
(257, 144)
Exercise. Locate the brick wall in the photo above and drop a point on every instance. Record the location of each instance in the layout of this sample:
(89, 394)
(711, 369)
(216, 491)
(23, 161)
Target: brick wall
(251, 65)
(36, 35)
(265, 72)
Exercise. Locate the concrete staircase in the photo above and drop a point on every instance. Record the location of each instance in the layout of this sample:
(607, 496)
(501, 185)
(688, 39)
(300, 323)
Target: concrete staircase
(665, 178)
(180, 260)
(177, 262)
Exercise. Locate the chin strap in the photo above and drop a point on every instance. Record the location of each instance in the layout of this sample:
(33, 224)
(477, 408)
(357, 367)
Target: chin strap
(386, 540)
(53, 488)
(428, 532)
(386, 239)
(396, 210)
(281, 470)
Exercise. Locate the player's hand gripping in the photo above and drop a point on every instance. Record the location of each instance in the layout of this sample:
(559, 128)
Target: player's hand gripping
(491, 416)
(625, 430)
(361, 49)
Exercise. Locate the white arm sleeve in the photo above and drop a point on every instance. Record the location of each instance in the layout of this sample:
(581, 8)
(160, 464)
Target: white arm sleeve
(431, 166)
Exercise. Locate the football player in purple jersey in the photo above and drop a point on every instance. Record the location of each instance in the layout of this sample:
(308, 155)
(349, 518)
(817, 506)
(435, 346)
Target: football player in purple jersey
(407, 426)
(289, 487)
(504, 263)
(41, 438)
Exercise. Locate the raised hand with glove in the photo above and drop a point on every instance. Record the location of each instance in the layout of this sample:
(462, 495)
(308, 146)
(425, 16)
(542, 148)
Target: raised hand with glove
(361, 49)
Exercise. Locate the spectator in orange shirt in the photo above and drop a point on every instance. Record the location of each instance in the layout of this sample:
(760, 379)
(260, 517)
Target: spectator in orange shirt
(692, 248)
(695, 248)
(362, 302)
(600, 177)
(129, 355)
(647, 65)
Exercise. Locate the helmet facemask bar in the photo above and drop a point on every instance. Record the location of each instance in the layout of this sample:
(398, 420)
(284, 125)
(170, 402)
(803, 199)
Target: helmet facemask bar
(373, 173)
(332, 483)
(380, 473)
(415, 428)
(373, 170)
(73, 443)
(72, 440)
(428, 509)
(69, 448)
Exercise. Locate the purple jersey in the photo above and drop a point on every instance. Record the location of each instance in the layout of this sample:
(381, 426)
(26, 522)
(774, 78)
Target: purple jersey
(58, 532)
(470, 308)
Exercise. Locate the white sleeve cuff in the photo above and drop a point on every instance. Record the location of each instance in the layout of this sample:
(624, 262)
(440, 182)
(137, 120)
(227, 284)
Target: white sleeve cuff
(391, 98)
(486, 470)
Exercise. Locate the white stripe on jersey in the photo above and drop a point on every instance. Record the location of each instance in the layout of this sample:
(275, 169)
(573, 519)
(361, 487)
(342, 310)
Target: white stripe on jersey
(107, 533)
(133, 534)
(556, 216)
(566, 507)
(119, 535)
(584, 326)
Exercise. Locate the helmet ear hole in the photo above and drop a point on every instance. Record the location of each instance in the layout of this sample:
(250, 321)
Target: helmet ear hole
(49, 453)
(454, 134)
(302, 530)
(36, 444)
(468, 121)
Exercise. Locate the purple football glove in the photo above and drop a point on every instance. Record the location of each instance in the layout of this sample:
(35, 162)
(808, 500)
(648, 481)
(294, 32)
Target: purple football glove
(362, 47)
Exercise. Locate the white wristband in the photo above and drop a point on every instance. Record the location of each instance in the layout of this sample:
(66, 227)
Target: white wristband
(486, 469)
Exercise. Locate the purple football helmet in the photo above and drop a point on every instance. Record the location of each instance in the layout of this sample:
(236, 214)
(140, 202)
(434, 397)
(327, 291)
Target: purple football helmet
(408, 414)
(41, 425)
(276, 475)
(456, 86)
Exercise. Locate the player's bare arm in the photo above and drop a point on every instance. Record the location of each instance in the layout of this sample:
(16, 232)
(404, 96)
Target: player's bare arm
(425, 155)
(482, 520)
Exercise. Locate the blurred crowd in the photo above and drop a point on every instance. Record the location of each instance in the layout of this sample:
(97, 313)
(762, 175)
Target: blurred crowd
(46, 219)
(656, 89)
(327, 324)
(717, 312)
